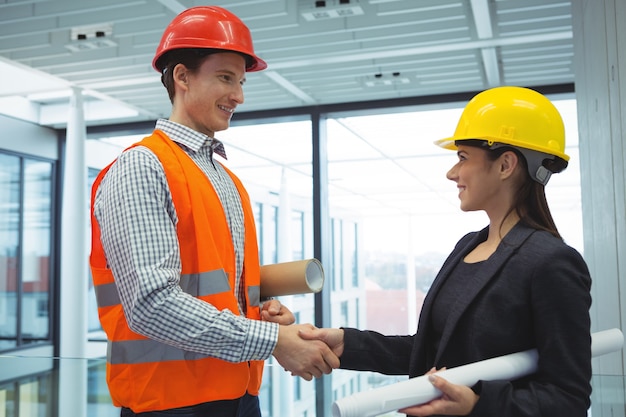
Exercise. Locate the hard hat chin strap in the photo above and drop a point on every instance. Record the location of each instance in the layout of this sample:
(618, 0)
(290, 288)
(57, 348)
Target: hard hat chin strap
(535, 161)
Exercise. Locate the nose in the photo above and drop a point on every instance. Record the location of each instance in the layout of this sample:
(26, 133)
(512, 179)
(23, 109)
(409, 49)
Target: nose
(237, 94)
(452, 173)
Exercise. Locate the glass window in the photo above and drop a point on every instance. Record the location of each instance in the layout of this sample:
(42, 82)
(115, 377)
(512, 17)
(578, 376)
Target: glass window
(274, 162)
(394, 219)
(9, 246)
(388, 178)
(35, 265)
(267, 230)
(25, 250)
(94, 327)
(297, 234)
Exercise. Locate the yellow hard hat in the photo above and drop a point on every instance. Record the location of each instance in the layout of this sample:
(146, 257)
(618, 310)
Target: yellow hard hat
(515, 116)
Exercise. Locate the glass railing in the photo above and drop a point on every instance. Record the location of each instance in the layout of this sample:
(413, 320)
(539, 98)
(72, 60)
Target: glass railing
(53, 387)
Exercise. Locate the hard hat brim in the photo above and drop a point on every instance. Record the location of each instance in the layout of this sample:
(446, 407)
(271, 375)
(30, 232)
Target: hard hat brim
(449, 143)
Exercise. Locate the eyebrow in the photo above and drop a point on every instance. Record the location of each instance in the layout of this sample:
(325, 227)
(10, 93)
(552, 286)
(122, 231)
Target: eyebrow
(229, 72)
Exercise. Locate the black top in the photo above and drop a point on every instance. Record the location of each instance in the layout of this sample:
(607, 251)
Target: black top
(450, 293)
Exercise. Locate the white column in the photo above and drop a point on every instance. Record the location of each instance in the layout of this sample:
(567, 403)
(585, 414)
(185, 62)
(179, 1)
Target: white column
(599, 42)
(600, 68)
(73, 276)
(284, 389)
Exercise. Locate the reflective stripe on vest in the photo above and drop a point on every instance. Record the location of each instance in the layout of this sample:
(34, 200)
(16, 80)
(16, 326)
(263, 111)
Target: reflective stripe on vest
(146, 351)
(197, 285)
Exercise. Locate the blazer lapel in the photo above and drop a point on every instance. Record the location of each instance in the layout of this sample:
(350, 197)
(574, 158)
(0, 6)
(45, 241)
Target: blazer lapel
(509, 245)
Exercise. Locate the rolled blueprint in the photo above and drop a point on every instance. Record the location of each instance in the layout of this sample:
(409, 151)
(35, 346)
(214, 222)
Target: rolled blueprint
(288, 278)
(419, 390)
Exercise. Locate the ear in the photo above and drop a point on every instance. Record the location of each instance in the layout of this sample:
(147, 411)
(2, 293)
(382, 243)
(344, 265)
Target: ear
(180, 74)
(509, 160)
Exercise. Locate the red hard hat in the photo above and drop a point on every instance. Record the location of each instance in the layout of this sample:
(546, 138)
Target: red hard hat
(209, 27)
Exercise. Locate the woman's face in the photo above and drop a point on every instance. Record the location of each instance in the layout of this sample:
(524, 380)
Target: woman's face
(211, 94)
(477, 179)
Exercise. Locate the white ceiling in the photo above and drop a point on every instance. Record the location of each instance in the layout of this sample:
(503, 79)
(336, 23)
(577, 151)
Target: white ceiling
(384, 167)
(386, 49)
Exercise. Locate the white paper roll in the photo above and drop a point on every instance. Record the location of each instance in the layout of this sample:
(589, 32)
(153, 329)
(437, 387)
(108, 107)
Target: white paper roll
(419, 390)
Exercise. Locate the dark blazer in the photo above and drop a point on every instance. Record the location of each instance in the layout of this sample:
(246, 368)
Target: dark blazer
(533, 292)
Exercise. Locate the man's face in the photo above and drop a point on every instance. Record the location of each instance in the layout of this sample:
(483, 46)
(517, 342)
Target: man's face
(207, 98)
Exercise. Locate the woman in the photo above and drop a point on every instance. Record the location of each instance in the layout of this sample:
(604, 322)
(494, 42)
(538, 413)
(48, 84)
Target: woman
(512, 286)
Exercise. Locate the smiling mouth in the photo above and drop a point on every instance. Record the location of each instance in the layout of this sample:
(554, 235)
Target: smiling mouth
(227, 109)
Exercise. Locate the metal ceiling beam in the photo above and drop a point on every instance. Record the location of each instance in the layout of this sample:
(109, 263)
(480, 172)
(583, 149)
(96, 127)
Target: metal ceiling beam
(175, 6)
(484, 30)
(430, 49)
(284, 83)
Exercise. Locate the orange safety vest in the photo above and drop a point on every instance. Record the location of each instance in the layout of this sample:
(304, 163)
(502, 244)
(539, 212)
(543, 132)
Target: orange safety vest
(146, 375)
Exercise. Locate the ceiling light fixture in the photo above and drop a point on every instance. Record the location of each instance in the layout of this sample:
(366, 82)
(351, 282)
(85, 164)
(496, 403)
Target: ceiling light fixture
(380, 79)
(86, 38)
(330, 9)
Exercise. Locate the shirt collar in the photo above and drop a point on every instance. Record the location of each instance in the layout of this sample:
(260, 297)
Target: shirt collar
(190, 138)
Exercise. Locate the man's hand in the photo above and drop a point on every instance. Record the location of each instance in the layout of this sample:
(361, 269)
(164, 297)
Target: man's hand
(274, 311)
(457, 400)
(305, 358)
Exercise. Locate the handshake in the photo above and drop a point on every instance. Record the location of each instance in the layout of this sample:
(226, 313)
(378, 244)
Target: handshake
(307, 351)
(303, 349)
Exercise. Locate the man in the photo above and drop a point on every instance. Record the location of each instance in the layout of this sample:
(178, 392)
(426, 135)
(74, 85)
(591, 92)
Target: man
(174, 252)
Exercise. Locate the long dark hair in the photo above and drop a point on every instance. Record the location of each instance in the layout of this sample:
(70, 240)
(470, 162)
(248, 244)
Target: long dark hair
(530, 202)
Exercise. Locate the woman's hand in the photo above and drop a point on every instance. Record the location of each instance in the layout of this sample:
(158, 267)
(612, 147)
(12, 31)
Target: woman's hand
(457, 400)
(332, 337)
